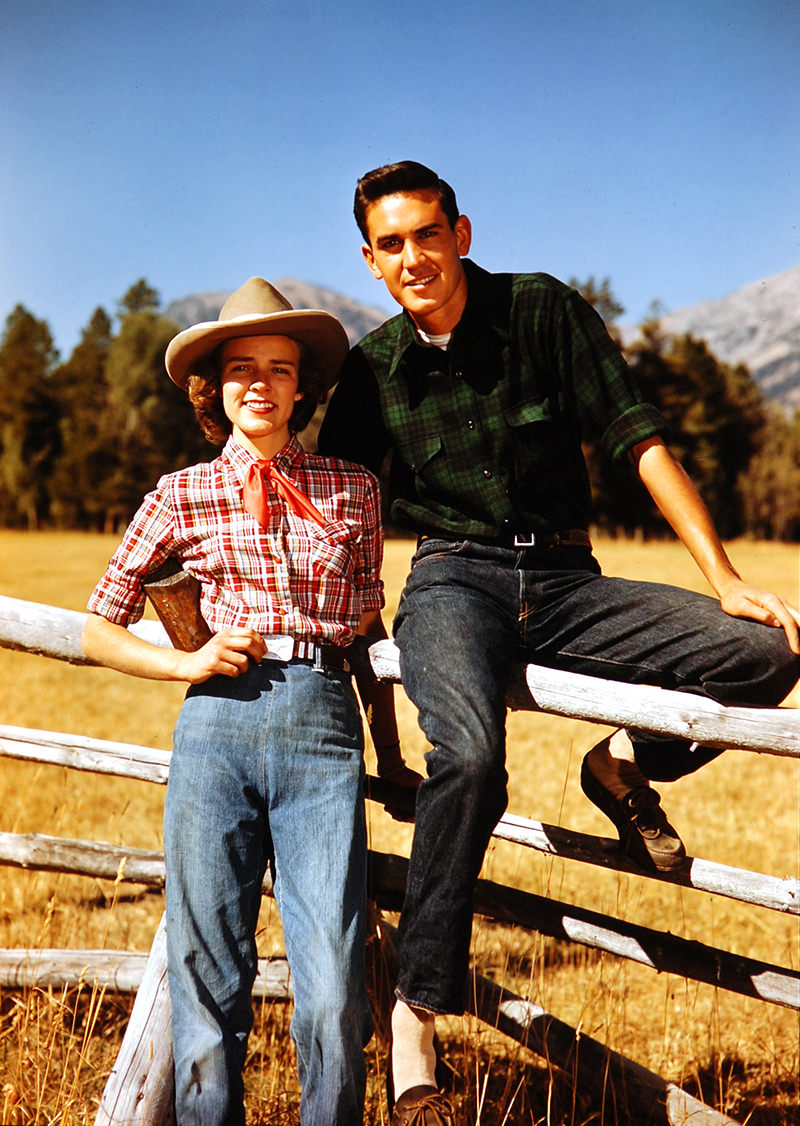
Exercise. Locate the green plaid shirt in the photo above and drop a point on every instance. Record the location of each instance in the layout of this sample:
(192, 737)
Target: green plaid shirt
(487, 434)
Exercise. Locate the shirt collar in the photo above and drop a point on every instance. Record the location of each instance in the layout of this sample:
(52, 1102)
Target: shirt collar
(485, 317)
(288, 460)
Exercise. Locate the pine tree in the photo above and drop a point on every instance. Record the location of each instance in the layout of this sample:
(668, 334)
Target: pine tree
(151, 419)
(29, 419)
(88, 445)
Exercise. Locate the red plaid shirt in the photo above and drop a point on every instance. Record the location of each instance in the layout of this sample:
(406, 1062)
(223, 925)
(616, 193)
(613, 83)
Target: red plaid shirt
(291, 577)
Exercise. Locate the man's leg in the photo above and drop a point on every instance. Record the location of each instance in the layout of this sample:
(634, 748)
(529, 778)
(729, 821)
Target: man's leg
(456, 629)
(647, 633)
(216, 851)
(316, 814)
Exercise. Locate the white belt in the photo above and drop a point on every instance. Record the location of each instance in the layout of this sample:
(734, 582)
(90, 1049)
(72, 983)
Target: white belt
(282, 647)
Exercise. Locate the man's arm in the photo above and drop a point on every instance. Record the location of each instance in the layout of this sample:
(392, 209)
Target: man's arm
(353, 425)
(681, 505)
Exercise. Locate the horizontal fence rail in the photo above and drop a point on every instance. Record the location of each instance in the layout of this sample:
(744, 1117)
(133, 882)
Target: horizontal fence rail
(144, 763)
(50, 632)
(659, 950)
(565, 922)
(116, 971)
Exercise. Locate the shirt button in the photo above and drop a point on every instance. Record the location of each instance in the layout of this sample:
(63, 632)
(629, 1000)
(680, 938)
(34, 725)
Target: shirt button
(487, 473)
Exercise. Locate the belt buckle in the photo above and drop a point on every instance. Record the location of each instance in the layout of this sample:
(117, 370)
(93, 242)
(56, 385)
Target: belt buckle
(519, 541)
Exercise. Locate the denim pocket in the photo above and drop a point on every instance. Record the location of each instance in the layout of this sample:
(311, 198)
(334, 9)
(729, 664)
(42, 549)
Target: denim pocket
(433, 548)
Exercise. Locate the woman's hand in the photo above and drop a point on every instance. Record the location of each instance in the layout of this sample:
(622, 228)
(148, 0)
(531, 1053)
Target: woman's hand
(227, 653)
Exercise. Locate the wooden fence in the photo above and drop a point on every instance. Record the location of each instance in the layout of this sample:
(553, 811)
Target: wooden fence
(140, 1088)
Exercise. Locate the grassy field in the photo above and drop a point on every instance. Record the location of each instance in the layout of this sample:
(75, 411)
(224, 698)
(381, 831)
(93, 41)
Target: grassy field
(739, 1055)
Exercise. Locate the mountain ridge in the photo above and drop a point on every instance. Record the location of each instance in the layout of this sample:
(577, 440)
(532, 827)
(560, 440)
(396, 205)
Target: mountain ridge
(757, 325)
(357, 319)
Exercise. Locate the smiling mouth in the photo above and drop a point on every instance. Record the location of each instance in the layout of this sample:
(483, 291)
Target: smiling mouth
(259, 405)
(420, 283)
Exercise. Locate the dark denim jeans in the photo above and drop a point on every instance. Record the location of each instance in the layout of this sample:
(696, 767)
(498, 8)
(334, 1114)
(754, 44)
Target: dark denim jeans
(267, 765)
(466, 613)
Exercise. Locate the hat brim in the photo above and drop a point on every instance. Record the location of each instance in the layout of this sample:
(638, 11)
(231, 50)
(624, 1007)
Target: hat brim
(319, 331)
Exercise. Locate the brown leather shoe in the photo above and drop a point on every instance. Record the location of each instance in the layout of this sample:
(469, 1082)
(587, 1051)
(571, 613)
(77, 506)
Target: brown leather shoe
(645, 834)
(423, 1106)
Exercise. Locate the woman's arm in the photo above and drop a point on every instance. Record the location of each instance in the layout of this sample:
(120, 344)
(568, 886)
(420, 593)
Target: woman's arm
(377, 699)
(225, 654)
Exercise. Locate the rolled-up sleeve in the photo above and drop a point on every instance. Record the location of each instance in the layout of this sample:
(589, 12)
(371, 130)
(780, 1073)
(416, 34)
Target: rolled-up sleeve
(368, 571)
(608, 399)
(119, 596)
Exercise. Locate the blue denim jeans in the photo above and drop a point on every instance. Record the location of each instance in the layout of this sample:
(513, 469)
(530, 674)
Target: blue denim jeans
(267, 768)
(466, 613)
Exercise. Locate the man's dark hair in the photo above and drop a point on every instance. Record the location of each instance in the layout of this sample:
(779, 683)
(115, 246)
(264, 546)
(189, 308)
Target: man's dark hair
(205, 395)
(404, 176)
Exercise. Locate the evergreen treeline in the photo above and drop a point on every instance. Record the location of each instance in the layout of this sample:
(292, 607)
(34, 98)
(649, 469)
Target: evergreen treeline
(742, 452)
(82, 441)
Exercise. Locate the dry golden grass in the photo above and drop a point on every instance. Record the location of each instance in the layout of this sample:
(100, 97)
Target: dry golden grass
(56, 1047)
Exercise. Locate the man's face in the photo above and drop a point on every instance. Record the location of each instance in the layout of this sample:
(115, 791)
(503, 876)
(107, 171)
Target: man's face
(259, 389)
(416, 252)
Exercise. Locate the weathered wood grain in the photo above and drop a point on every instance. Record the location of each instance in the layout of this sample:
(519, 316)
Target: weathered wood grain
(117, 971)
(102, 860)
(79, 752)
(140, 1091)
(639, 1095)
(52, 632)
(663, 952)
(56, 633)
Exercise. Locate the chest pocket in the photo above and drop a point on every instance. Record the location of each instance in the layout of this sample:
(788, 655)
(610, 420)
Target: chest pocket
(426, 459)
(334, 550)
(528, 412)
(542, 441)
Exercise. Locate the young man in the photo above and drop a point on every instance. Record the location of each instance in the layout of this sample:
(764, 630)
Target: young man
(481, 388)
(267, 763)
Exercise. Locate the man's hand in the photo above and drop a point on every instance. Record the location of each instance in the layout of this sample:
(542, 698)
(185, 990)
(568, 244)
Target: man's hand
(741, 600)
(680, 504)
(227, 653)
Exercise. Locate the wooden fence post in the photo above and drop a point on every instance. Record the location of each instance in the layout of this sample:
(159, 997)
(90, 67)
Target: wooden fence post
(141, 1088)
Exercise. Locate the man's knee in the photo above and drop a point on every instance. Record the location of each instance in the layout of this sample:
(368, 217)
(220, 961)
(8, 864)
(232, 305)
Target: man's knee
(773, 667)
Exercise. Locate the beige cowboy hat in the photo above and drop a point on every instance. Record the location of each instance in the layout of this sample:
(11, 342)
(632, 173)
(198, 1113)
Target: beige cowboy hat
(259, 309)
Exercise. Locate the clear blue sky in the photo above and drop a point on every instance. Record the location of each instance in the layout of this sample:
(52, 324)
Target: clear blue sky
(195, 144)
